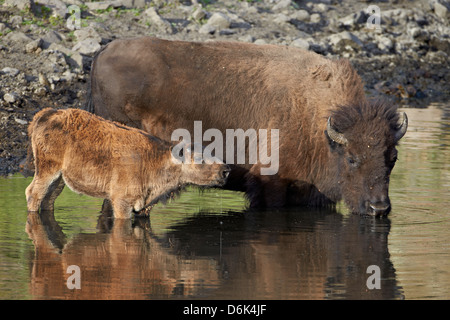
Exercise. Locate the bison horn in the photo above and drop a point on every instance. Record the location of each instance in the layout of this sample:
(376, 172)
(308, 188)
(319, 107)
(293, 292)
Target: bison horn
(402, 130)
(334, 135)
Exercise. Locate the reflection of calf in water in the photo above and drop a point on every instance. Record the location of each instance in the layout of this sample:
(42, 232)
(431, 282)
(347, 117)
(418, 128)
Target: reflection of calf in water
(256, 255)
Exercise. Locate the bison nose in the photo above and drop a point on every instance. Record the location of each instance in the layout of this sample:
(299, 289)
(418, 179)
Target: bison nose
(226, 172)
(379, 208)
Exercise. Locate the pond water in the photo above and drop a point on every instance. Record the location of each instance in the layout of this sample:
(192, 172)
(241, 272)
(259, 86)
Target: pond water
(205, 245)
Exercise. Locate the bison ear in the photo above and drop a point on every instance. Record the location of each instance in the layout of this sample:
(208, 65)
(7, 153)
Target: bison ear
(334, 136)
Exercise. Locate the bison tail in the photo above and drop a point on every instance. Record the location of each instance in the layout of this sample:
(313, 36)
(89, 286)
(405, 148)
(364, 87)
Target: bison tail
(89, 106)
(26, 166)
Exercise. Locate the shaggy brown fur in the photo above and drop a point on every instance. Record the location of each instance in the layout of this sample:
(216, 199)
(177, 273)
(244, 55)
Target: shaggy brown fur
(159, 86)
(108, 160)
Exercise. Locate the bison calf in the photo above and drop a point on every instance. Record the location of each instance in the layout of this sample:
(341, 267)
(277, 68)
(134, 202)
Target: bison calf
(104, 159)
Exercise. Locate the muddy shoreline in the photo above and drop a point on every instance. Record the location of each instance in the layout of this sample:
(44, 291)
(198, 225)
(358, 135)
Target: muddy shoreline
(44, 63)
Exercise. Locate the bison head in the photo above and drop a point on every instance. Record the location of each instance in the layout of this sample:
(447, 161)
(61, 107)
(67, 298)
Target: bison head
(363, 143)
(197, 168)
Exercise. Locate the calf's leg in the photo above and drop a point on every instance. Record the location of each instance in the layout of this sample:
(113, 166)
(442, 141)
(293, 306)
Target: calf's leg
(122, 209)
(53, 192)
(39, 188)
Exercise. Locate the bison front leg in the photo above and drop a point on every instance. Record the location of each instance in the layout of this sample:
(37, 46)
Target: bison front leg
(265, 190)
(122, 208)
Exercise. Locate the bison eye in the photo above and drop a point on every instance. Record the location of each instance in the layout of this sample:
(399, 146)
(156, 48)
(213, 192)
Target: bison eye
(352, 161)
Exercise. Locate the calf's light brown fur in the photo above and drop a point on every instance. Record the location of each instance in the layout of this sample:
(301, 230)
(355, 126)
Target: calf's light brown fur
(108, 160)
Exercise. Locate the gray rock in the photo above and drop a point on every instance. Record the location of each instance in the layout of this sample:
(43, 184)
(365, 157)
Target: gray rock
(399, 16)
(17, 36)
(300, 43)
(354, 20)
(51, 36)
(40, 91)
(207, 29)
(343, 39)
(87, 47)
(19, 4)
(315, 18)
(418, 34)
(34, 45)
(440, 43)
(2, 26)
(139, 4)
(100, 5)
(227, 32)
(385, 43)
(11, 97)
(87, 33)
(441, 10)
(16, 21)
(75, 2)
(301, 15)
(73, 58)
(321, 7)
(157, 20)
(43, 79)
(20, 121)
(68, 76)
(198, 13)
(251, 10)
(219, 20)
(281, 18)
(282, 4)
(260, 41)
(10, 71)
(247, 38)
(57, 58)
(238, 22)
(59, 8)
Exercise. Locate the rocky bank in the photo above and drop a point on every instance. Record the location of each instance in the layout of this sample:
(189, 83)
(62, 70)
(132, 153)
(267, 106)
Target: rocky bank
(46, 46)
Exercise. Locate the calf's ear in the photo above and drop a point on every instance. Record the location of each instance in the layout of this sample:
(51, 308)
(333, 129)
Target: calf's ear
(177, 153)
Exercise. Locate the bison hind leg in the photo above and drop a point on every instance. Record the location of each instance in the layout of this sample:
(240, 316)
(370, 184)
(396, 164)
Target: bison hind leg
(53, 192)
(42, 188)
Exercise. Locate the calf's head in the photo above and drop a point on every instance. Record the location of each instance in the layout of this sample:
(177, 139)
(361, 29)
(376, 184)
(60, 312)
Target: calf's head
(196, 168)
(363, 143)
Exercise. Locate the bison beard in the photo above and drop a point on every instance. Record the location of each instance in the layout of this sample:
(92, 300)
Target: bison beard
(334, 143)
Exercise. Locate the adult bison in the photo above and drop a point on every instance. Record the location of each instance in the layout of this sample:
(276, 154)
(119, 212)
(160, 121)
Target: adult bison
(333, 142)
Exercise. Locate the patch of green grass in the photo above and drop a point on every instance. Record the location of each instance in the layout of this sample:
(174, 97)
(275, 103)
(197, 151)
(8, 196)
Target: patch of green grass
(100, 11)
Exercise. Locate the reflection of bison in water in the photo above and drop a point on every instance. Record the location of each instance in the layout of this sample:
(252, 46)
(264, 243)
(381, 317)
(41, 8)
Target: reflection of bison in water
(107, 160)
(254, 255)
(333, 142)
